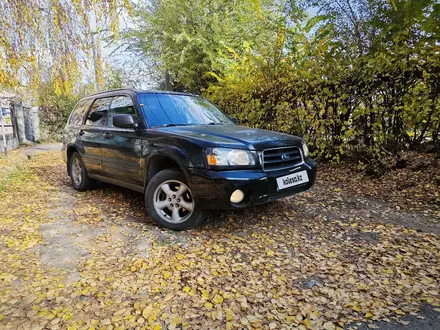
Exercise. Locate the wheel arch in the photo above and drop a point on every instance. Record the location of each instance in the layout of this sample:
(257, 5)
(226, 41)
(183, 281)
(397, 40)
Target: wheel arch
(159, 162)
(70, 150)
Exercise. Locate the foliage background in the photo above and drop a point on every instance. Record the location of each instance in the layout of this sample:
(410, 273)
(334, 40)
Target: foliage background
(360, 78)
(356, 78)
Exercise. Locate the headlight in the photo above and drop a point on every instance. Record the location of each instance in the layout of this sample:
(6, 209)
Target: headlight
(305, 150)
(229, 157)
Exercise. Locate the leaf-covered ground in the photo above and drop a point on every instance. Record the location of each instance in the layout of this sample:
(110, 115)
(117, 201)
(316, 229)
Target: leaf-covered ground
(325, 259)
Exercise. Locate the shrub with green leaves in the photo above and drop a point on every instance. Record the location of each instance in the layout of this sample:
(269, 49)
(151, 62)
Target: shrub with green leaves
(360, 76)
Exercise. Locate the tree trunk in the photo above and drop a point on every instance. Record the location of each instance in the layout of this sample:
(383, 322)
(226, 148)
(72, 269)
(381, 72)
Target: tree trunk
(97, 61)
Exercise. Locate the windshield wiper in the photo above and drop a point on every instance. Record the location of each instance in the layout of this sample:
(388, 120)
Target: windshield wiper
(171, 124)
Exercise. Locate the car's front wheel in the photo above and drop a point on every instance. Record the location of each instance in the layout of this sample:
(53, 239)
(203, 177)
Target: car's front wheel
(170, 202)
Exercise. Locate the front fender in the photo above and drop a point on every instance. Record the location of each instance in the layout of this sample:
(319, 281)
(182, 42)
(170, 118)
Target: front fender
(179, 156)
(176, 154)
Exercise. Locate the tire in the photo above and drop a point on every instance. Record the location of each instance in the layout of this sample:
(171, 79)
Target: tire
(169, 201)
(78, 174)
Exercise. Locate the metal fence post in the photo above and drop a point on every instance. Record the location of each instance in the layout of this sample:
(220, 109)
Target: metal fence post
(35, 124)
(2, 114)
(19, 120)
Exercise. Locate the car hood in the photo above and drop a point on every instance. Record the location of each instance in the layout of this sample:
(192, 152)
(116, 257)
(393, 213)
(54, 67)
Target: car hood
(233, 136)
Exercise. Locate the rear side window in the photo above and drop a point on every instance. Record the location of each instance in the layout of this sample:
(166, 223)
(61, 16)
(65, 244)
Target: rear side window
(98, 112)
(78, 113)
(121, 105)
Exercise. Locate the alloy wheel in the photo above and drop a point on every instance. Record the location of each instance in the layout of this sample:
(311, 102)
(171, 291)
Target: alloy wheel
(173, 201)
(76, 171)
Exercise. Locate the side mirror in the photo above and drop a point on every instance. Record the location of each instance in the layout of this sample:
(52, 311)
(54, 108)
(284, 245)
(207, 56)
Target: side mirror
(124, 121)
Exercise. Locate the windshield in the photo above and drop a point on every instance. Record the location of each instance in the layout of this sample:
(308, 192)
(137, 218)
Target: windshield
(176, 110)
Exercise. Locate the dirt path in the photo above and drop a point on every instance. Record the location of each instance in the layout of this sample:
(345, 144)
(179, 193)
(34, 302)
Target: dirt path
(320, 260)
(344, 206)
(36, 148)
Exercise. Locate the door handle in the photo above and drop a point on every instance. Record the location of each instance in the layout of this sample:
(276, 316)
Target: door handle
(82, 132)
(108, 135)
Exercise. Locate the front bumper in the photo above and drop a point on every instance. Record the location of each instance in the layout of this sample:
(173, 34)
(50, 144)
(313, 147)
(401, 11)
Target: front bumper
(212, 189)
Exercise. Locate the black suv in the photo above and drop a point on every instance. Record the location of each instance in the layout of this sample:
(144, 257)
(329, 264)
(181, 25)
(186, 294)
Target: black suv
(183, 153)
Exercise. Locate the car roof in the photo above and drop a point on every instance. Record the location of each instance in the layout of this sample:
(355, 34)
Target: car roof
(113, 92)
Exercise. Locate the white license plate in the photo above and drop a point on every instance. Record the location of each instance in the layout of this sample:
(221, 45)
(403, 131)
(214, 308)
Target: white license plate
(293, 179)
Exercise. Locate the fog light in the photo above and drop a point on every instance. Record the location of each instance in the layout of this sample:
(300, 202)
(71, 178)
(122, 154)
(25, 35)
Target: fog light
(237, 196)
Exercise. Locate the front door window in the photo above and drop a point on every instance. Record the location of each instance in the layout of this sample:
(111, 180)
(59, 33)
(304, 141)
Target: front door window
(98, 112)
(121, 105)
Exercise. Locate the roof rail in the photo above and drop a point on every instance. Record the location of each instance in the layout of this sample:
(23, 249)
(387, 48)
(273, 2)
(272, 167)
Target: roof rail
(113, 90)
(136, 91)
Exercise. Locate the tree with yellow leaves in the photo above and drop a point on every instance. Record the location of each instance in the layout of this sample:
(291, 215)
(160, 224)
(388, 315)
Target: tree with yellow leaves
(53, 40)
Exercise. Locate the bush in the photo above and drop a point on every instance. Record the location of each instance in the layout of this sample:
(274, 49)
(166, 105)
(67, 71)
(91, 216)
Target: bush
(55, 109)
(377, 103)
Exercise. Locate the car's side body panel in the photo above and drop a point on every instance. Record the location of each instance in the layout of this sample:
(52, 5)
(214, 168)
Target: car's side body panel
(122, 147)
(89, 142)
(121, 154)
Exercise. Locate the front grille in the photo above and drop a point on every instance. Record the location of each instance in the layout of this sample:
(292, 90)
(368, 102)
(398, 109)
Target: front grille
(281, 158)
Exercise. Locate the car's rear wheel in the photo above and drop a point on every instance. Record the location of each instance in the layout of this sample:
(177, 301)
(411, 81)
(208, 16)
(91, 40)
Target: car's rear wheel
(78, 174)
(170, 202)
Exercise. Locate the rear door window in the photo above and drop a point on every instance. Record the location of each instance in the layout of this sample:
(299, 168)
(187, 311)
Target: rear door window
(121, 105)
(98, 112)
(78, 113)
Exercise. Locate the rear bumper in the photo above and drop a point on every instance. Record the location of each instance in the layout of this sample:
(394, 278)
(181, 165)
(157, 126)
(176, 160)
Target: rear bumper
(212, 189)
